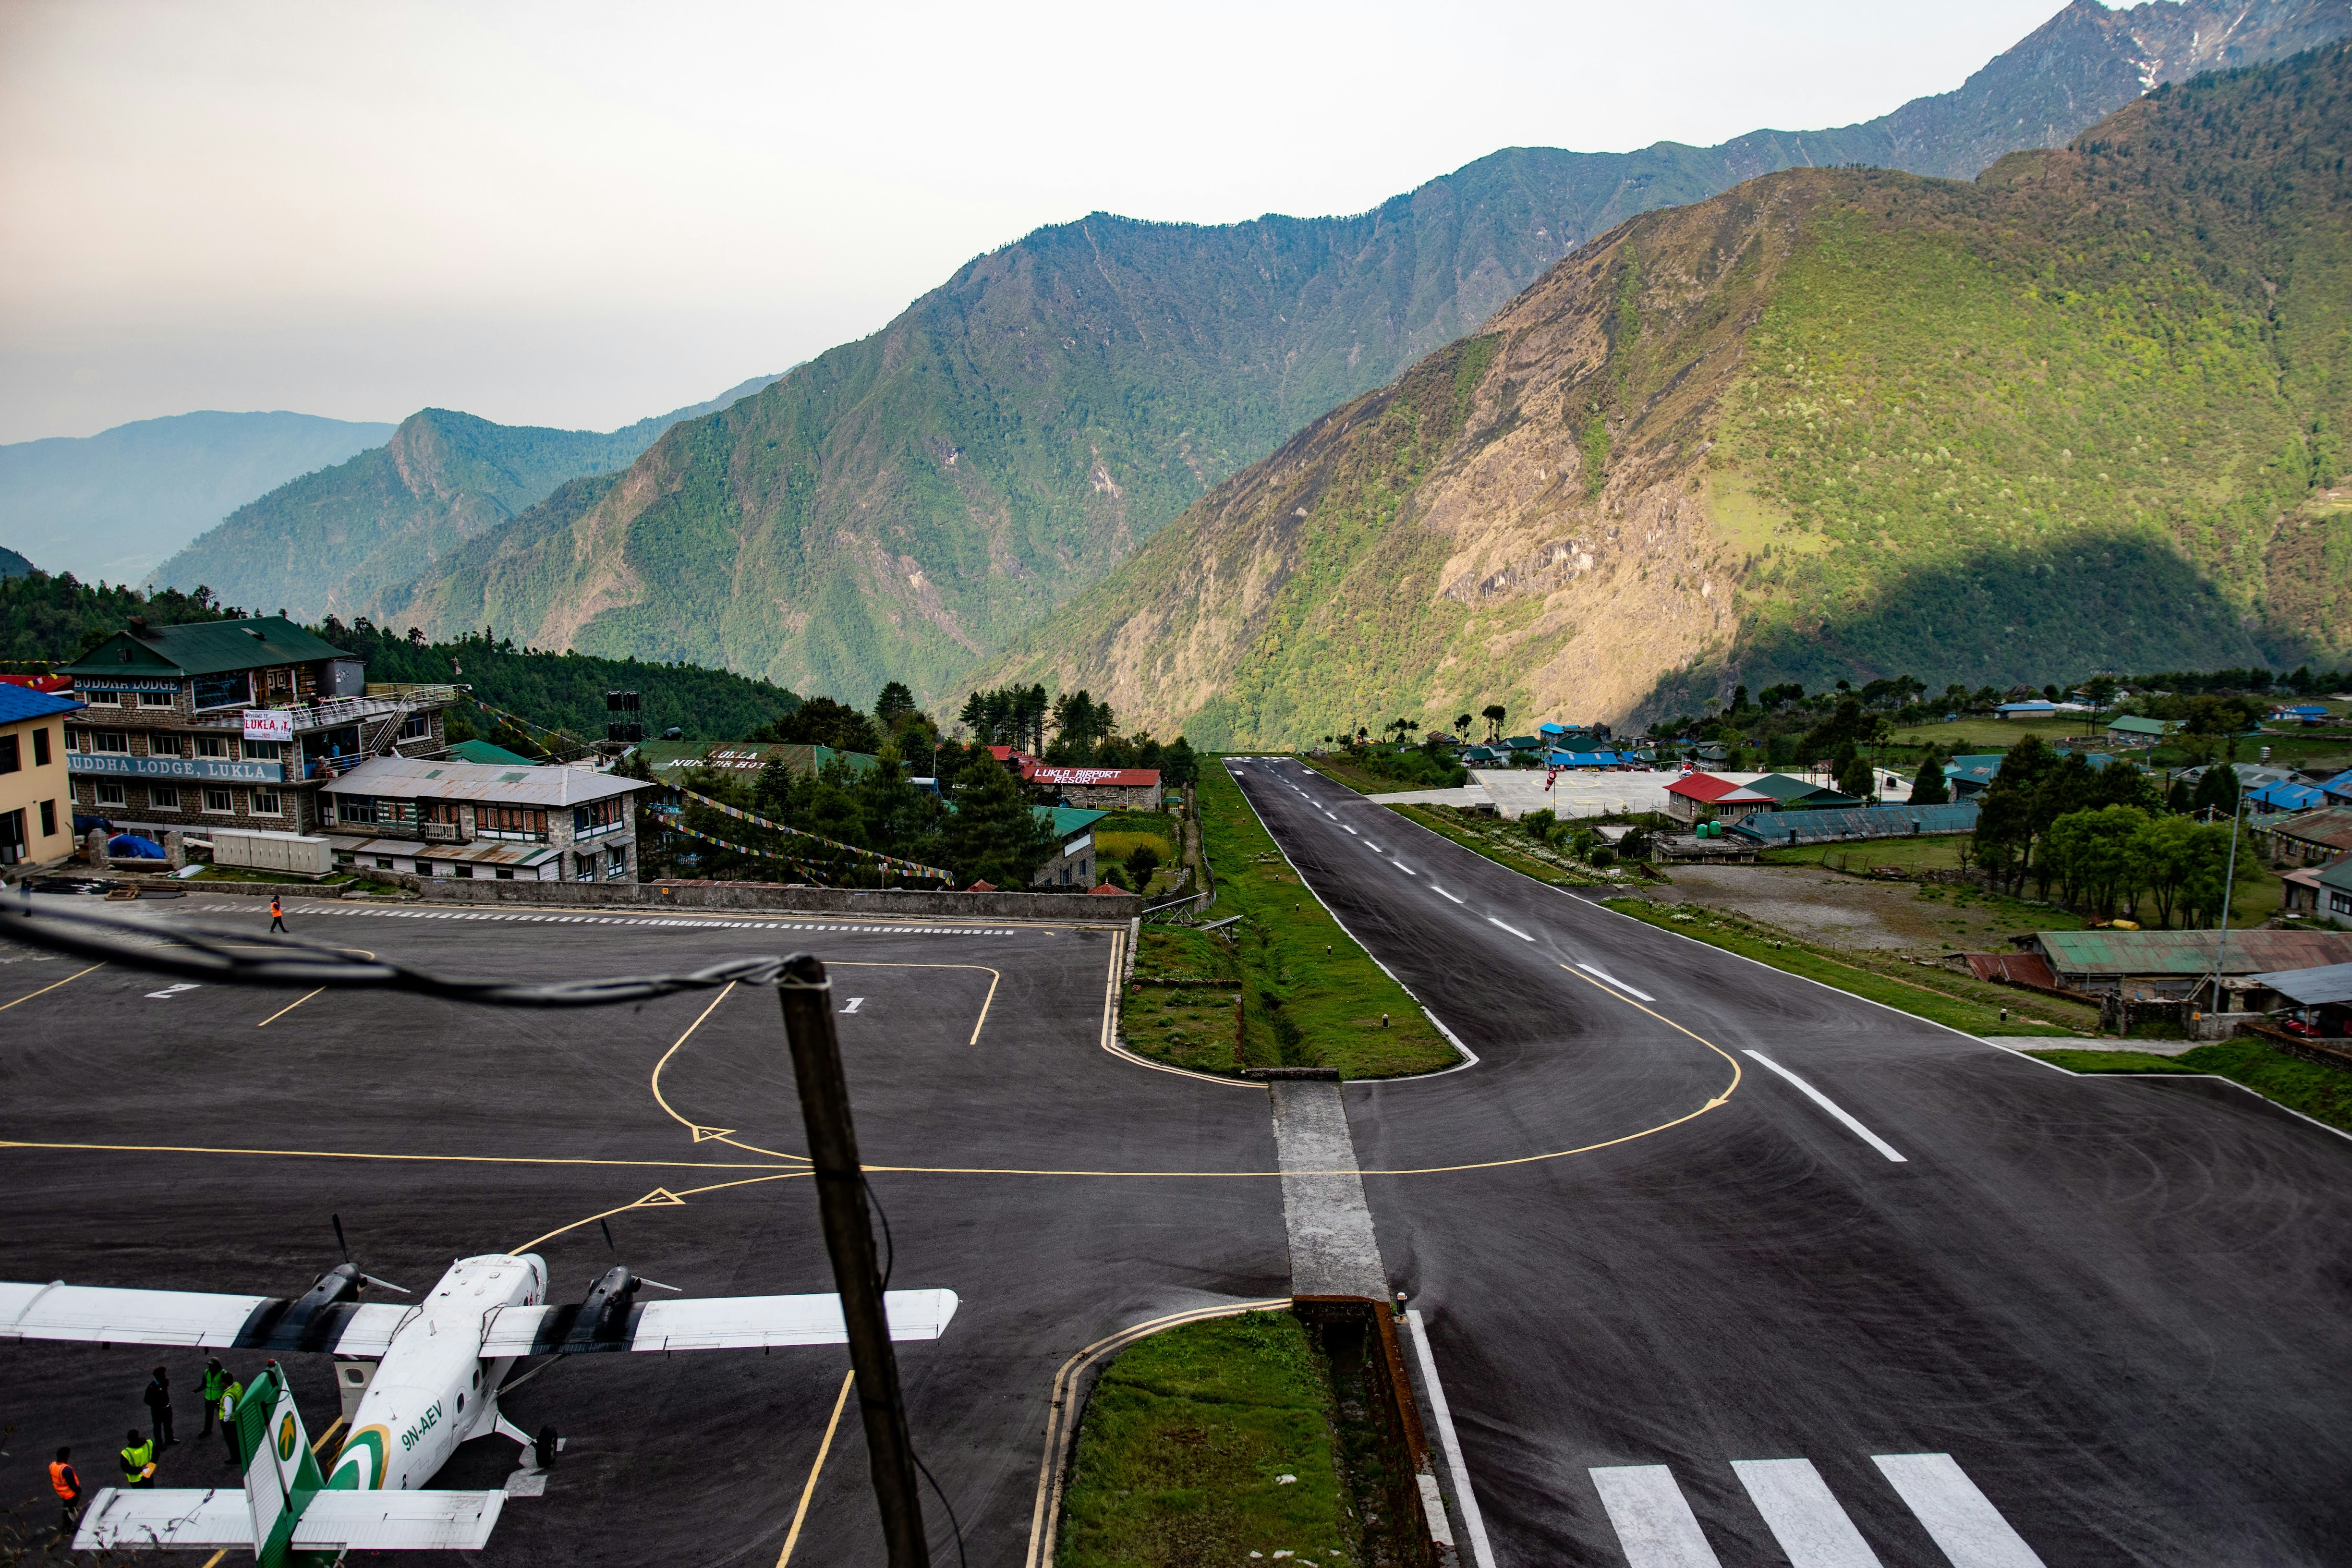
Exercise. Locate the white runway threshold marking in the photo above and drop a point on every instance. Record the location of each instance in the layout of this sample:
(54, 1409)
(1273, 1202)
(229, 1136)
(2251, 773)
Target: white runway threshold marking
(1604, 975)
(1513, 930)
(1831, 1106)
(1958, 1516)
(1656, 1529)
(1654, 1526)
(1803, 1515)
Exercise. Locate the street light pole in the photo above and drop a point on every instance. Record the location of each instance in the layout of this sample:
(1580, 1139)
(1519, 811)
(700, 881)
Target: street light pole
(807, 998)
(2228, 885)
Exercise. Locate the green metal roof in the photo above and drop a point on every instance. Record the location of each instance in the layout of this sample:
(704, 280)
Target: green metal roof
(2121, 952)
(207, 648)
(483, 751)
(2133, 724)
(1069, 821)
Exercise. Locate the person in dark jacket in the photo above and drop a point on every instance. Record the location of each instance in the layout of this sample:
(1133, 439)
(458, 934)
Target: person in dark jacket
(158, 1408)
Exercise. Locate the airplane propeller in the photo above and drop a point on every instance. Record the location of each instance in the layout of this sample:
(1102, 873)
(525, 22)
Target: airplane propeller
(640, 1279)
(346, 1247)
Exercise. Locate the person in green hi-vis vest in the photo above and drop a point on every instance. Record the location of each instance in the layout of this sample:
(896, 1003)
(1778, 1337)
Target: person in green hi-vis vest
(229, 1397)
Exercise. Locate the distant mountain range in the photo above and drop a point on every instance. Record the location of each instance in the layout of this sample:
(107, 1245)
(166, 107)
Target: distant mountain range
(112, 505)
(12, 564)
(905, 505)
(2082, 412)
(327, 543)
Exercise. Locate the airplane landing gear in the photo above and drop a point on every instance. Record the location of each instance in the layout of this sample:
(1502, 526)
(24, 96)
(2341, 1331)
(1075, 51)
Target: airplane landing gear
(544, 1448)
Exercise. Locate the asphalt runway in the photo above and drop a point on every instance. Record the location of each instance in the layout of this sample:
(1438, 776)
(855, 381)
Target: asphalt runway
(436, 1131)
(2119, 1305)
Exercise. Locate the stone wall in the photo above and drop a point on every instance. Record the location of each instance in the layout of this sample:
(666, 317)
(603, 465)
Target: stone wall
(768, 897)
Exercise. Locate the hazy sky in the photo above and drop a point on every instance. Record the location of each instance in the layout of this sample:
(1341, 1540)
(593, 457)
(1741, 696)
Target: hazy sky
(578, 215)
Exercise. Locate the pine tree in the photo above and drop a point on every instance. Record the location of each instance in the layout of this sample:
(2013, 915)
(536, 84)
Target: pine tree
(994, 836)
(1929, 788)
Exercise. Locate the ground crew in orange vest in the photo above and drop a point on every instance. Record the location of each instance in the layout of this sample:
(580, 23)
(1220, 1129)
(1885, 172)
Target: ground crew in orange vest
(66, 1481)
(138, 1459)
(277, 915)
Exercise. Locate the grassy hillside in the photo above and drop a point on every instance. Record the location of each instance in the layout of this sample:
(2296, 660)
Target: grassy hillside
(327, 543)
(112, 505)
(904, 506)
(2075, 415)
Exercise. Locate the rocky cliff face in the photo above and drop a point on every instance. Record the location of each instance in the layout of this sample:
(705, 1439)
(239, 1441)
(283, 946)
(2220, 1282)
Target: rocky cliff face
(2074, 416)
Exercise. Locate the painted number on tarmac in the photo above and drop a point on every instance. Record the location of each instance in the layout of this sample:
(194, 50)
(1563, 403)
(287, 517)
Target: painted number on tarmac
(853, 1003)
(172, 990)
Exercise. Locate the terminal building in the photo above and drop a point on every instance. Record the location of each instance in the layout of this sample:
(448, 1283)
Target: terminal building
(231, 724)
(467, 819)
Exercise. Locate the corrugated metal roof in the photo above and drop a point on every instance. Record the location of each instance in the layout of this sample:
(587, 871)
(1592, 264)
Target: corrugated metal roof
(209, 647)
(481, 852)
(2121, 952)
(2310, 987)
(2330, 826)
(409, 778)
(1782, 827)
(2017, 968)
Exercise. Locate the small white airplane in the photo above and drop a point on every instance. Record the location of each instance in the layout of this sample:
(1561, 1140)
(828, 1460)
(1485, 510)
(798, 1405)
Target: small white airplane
(425, 1376)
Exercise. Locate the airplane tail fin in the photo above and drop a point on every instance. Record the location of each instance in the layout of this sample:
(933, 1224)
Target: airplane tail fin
(286, 1517)
(280, 1475)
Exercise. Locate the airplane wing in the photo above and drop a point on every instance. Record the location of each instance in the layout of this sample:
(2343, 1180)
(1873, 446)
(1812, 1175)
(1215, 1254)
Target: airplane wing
(121, 1519)
(398, 1521)
(98, 1315)
(713, 1324)
(94, 1314)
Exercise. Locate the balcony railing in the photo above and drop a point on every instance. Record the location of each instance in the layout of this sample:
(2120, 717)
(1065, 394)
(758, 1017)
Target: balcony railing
(334, 713)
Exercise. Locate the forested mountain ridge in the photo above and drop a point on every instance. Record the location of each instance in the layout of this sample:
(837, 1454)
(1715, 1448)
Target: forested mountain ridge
(110, 506)
(326, 543)
(903, 505)
(2077, 413)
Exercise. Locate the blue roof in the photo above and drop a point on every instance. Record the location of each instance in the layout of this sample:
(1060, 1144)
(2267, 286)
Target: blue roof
(2310, 710)
(1582, 758)
(23, 703)
(2037, 705)
(1551, 729)
(2289, 796)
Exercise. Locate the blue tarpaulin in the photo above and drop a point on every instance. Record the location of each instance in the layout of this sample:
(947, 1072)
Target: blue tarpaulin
(132, 847)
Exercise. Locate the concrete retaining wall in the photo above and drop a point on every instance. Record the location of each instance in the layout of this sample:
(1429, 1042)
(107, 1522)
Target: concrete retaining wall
(1092, 907)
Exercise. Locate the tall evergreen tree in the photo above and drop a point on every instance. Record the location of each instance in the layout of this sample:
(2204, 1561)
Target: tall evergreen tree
(1929, 788)
(994, 836)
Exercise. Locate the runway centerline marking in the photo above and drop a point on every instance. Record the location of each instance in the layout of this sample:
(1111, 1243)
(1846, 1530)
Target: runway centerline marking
(1613, 980)
(1443, 893)
(1403, 867)
(1513, 930)
(1831, 1106)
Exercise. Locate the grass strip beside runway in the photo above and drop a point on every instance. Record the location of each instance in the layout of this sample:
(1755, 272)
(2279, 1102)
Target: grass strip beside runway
(1184, 1442)
(1932, 995)
(2321, 1093)
(1302, 1006)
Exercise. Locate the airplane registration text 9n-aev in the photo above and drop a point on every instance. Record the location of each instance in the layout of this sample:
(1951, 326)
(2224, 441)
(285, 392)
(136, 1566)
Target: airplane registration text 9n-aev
(427, 1376)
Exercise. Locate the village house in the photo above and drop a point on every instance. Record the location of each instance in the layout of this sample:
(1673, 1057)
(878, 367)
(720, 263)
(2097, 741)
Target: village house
(231, 724)
(465, 820)
(2170, 964)
(36, 791)
(1709, 797)
(2310, 837)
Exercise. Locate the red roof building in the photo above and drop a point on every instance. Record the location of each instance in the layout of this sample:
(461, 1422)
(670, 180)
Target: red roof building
(1697, 798)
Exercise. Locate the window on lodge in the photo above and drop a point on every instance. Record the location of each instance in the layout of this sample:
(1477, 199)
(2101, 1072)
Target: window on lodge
(599, 816)
(509, 821)
(223, 691)
(158, 699)
(113, 741)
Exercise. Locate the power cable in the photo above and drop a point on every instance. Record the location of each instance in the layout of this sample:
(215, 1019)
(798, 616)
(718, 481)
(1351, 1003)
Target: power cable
(246, 959)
